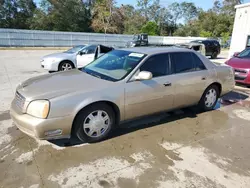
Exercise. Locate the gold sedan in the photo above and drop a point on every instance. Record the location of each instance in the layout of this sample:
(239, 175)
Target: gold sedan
(118, 86)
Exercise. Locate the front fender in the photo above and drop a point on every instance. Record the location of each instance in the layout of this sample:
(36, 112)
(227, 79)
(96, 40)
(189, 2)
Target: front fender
(93, 100)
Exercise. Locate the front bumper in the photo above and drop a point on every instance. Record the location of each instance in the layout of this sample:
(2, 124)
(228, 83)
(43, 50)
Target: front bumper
(42, 128)
(242, 80)
(49, 65)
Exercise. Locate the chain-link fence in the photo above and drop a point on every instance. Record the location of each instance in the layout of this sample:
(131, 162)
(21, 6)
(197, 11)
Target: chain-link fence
(35, 38)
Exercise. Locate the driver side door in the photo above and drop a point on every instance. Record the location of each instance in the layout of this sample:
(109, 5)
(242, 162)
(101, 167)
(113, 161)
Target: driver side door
(87, 56)
(150, 96)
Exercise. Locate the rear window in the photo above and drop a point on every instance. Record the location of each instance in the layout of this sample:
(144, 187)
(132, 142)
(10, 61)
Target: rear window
(199, 65)
(182, 62)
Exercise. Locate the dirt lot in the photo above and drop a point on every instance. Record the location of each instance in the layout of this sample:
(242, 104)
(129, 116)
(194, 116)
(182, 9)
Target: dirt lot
(179, 149)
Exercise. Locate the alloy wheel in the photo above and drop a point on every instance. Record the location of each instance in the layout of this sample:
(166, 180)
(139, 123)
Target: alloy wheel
(66, 66)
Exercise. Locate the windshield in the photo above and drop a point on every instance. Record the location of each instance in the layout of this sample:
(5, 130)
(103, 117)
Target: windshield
(136, 37)
(244, 54)
(74, 49)
(114, 65)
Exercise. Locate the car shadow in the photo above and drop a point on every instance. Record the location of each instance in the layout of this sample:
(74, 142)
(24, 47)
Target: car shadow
(157, 119)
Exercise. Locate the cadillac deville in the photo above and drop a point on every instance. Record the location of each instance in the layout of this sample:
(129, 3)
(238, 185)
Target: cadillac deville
(120, 85)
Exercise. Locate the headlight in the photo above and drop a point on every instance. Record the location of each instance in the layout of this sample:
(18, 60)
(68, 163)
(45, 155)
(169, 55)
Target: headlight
(42, 60)
(39, 108)
(132, 44)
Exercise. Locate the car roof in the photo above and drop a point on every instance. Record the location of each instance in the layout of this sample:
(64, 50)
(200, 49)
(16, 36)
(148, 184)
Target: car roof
(155, 50)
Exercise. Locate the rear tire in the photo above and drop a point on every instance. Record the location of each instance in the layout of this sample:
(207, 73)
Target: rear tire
(209, 98)
(214, 55)
(94, 123)
(66, 65)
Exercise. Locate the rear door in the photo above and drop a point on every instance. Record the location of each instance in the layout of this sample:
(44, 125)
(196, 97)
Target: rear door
(191, 77)
(209, 48)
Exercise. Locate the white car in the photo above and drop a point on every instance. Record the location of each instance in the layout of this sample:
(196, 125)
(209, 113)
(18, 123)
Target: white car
(76, 57)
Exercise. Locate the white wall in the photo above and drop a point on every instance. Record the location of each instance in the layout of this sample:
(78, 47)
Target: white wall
(178, 40)
(241, 28)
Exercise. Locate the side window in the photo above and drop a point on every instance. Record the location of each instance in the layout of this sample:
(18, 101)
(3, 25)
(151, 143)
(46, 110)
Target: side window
(158, 65)
(182, 62)
(216, 43)
(209, 43)
(198, 63)
(205, 42)
(90, 50)
(248, 41)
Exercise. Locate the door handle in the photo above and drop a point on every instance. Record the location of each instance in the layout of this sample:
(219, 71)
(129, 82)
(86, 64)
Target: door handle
(203, 78)
(167, 84)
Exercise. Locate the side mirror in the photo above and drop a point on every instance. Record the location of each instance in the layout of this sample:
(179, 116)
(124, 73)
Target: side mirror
(144, 75)
(81, 53)
(236, 54)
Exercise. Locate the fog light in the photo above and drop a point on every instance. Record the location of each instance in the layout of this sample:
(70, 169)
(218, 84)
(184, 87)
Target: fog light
(53, 132)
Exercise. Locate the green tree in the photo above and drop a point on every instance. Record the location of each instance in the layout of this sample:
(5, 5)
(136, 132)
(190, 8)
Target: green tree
(133, 20)
(150, 28)
(164, 21)
(15, 13)
(190, 29)
(206, 34)
(225, 37)
(189, 11)
(176, 12)
(61, 15)
(186, 11)
(228, 6)
(144, 7)
(103, 15)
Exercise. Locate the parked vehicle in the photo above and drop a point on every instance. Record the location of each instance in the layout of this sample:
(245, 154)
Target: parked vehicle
(212, 47)
(241, 65)
(199, 47)
(120, 85)
(76, 57)
(142, 40)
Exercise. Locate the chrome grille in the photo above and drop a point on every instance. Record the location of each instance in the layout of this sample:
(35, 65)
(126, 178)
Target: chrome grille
(239, 78)
(240, 71)
(20, 100)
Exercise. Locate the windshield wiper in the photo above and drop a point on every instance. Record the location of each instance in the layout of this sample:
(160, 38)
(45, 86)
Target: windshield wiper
(95, 75)
(90, 73)
(98, 76)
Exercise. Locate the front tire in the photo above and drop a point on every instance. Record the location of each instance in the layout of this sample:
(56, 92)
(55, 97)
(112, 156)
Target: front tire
(65, 65)
(94, 123)
(209, 98)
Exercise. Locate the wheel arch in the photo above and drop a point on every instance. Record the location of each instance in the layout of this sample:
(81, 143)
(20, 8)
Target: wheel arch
(114, 107)
(66, 60)
(217, 84)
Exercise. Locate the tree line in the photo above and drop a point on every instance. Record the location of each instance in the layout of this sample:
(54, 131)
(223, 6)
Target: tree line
(105, 16)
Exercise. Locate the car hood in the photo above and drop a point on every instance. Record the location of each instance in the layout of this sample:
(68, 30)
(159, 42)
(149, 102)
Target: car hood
(52, 85)
(60, 55)
(239, 63)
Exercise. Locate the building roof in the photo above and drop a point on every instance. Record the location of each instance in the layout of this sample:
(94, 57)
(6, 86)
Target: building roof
(242, 5)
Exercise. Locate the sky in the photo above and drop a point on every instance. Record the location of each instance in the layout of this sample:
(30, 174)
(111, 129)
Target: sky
(204, 4)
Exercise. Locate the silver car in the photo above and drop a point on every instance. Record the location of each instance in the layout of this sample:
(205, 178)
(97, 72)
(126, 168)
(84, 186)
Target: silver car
(120, 85)
(76, 57)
